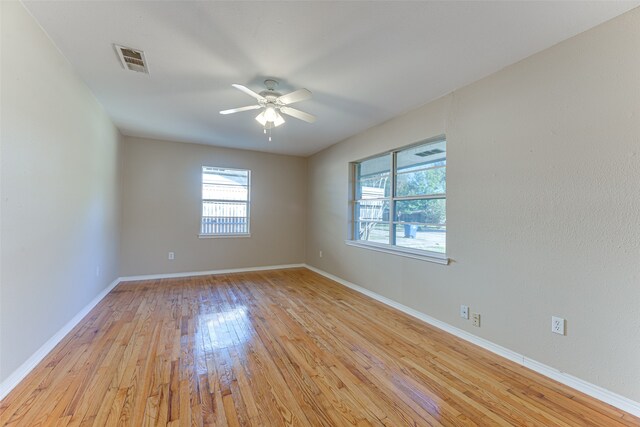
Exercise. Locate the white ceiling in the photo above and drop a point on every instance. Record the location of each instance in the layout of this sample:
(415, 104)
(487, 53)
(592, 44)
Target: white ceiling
(365, 62)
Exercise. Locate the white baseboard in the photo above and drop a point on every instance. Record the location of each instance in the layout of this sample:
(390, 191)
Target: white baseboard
(585, 387)
(23, 370)
(207, 273)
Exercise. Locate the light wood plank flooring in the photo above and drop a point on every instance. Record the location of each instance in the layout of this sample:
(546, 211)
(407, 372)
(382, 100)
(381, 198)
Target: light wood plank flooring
(277, 348)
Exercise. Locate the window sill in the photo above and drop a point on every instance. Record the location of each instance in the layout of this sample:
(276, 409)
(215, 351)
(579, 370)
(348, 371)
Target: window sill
(408, 253)
(222, 236)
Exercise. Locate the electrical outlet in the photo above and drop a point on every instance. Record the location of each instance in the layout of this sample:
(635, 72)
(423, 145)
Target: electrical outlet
(557, 325)
(464, 311)
(320, 254)
(476, 319)
(172, 255)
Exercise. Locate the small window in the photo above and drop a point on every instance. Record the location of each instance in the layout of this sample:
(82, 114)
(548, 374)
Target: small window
(399, 200)
(225, 201)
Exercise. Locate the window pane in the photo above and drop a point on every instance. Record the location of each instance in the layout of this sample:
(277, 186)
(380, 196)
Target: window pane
(224, 192)
(372, 231)
(375, 187)
(429, 211)
(431, 154)
(428, 238)
(422, 182)
(415, 173)
(224, 218)
(374, 166)
(226, 209)
(227, 176)
(373, 178)
(225, 204)
(372, 210)
(224, 184)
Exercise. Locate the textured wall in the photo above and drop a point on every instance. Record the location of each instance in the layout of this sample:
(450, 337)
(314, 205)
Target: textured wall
(59, 190)
(543, 207)
(162, 207)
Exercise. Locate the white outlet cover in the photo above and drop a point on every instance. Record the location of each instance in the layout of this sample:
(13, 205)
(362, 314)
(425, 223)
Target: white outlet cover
(172, 255)
(476, 319)
(557, 325)
(464, 311)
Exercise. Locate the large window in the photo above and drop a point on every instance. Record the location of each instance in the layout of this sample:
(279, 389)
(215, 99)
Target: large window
(225, 201)
(398, 201)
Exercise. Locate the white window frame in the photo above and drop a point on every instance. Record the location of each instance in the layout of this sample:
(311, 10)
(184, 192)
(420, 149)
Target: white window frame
(203, 201)
(391, 248)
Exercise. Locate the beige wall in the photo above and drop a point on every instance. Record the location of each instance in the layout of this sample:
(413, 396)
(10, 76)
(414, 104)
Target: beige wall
(543, 207)
(59, 191)
(162, 206)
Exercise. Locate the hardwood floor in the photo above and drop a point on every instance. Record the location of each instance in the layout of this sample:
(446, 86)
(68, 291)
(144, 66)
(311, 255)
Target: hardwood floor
(284, 347)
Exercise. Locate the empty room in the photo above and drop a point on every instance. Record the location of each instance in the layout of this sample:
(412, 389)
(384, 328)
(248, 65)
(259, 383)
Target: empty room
(319, 213)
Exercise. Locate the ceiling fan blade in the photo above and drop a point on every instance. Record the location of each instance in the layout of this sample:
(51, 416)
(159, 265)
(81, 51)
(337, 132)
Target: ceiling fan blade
(298, 114)
(295, 96)
(237, 110)
(249, 92)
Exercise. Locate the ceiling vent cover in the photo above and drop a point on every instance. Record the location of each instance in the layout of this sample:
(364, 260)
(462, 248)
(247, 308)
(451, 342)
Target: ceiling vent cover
(132, 59)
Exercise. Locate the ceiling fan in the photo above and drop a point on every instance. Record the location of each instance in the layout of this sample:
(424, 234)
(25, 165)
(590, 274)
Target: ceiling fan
(273, 103)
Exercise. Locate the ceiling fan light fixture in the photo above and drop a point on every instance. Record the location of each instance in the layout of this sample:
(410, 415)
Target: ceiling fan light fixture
(261, 119)
(279, 120)
(270, 113)
(270, 118)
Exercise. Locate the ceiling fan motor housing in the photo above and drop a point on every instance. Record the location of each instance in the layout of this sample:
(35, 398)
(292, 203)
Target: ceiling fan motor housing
(271, 84)
(270, 94)
(271, 97)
